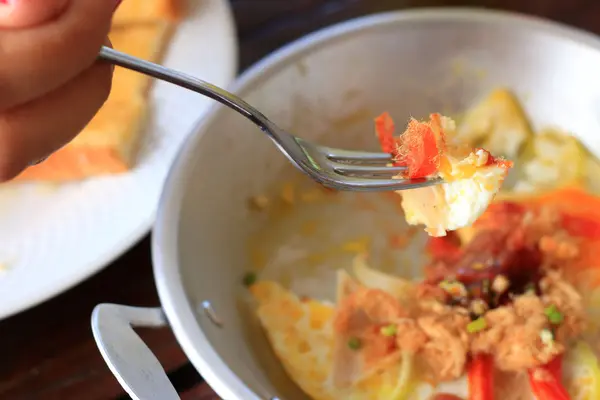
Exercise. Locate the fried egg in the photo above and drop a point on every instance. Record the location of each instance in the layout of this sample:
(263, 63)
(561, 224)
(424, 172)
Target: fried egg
(301, 335)
(470, 185)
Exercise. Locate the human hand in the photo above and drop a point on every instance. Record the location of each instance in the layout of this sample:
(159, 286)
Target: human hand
(50, 83)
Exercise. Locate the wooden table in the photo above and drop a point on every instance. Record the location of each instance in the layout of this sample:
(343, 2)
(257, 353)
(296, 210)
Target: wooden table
(48, 352)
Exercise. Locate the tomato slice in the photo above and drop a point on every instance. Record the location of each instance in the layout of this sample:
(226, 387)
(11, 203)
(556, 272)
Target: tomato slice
(417, 148)
(580, 211)
(445, 248)
(481, 378)
(384, 127)
(581, 226)
(546, 381)
(555, 367)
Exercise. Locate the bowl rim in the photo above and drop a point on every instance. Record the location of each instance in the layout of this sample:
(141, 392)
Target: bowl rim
(175, 303)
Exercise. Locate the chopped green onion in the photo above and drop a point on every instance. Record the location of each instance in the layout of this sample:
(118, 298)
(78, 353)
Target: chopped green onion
(389, 330)
(354, 343)
(249, 279)
(554, 316)
(477, 325)
(444, 284)
(550, 309)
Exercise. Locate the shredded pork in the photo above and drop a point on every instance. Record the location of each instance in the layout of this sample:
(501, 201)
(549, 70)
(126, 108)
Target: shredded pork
(513, 335)
(440, 341)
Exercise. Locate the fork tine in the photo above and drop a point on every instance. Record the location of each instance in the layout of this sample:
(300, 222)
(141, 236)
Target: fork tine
(366, 185)
(352, 155)
(342, 170)
(354, 169)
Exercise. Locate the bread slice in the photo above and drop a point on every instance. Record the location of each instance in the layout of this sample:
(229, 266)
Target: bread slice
(108, 145)
(143, 11)
(145, 41)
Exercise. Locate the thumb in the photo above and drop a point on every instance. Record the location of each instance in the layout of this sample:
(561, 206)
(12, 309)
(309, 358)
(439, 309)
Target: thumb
(28, 13)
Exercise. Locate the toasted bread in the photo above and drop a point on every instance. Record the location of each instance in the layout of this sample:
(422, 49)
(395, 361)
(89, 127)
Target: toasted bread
(106, 146)
(145, 41)
(143, 11)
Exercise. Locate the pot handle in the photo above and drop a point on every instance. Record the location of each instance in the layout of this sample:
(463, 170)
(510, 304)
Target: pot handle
(129, 359)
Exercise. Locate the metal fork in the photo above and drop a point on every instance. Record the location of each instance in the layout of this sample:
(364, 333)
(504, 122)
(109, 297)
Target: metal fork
(334, 168)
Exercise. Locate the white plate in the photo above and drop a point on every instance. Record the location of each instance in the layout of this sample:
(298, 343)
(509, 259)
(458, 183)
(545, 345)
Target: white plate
(53, 237)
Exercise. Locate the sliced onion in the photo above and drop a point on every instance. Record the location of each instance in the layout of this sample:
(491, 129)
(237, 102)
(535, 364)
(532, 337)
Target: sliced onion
(404, 385)
(402, 289)
(346, 368)
(346, 285)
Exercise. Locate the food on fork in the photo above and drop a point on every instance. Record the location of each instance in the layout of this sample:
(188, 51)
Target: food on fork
(472, 177)
(109, 143)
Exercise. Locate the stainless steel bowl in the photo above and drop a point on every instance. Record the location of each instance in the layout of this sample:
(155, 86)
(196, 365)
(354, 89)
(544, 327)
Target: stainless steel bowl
(326, 87)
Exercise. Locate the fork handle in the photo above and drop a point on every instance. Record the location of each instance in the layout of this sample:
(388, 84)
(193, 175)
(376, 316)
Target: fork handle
(183, 80)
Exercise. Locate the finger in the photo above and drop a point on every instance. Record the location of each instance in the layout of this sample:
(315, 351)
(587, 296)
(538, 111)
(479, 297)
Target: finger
(26, 13)
(33, 131)
(37, 60)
